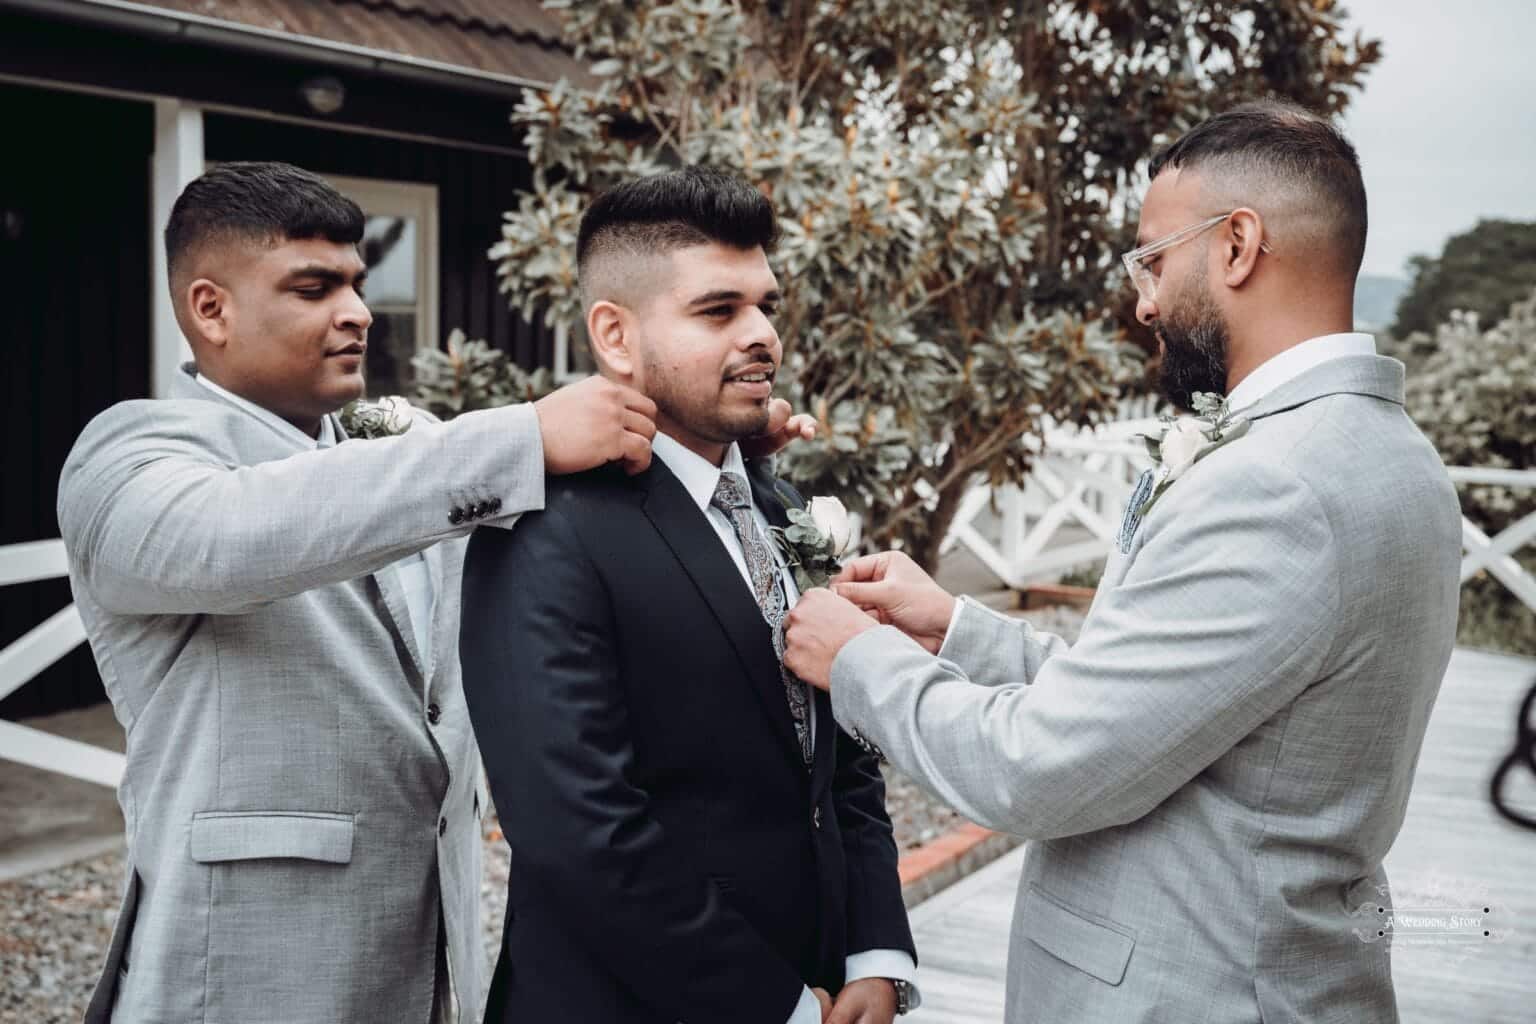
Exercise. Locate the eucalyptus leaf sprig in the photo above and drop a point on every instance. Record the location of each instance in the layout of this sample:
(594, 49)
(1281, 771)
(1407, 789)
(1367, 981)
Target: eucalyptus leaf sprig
(815, 541)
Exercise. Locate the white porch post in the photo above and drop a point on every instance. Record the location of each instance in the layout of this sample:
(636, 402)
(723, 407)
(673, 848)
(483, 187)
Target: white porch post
(178, 159)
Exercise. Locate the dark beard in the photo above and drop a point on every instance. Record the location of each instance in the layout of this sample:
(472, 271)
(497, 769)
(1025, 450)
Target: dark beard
(1194, 349)
(701, 418)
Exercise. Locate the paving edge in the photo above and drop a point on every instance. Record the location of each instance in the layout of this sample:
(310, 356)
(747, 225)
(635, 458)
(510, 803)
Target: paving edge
(957, 853)
(57, 854)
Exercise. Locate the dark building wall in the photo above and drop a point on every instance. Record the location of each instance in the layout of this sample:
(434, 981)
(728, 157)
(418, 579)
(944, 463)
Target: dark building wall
(474, 188)
(74, 324)
(75, 312)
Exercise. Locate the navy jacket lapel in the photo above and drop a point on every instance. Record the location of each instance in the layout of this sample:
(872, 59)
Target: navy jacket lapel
(692, 539)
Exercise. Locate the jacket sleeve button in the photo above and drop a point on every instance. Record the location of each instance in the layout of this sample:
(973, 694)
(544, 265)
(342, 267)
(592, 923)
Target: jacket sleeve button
(456, 516)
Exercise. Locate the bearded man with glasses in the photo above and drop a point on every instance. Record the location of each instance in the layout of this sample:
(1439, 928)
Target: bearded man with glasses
(1213, 774)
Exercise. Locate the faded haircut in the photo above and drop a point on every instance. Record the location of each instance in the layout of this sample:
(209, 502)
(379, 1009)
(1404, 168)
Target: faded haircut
(1288, 163)
(259, 204)
(629, 226)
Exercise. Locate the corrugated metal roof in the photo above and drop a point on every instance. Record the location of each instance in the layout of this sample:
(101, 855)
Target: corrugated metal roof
(527, 18)
(517, 38)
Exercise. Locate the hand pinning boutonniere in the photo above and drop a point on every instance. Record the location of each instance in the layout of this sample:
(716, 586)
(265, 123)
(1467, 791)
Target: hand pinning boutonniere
(1186, 440)
(385, 417)
(818, 535)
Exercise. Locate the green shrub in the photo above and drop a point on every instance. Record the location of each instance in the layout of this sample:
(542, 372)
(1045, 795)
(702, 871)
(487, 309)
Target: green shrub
(1471, 391)
(472, 375)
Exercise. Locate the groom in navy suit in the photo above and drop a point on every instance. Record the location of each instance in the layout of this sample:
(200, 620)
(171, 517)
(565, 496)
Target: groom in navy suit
(693, 837)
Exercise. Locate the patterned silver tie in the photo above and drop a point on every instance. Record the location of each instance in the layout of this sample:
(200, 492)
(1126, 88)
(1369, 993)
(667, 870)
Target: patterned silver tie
(733, 497)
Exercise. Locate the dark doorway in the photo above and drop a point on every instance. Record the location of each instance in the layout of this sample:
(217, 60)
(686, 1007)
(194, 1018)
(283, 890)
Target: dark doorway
(75, 283)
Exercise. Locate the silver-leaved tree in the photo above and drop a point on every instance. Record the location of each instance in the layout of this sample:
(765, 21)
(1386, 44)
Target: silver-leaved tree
(953, 178)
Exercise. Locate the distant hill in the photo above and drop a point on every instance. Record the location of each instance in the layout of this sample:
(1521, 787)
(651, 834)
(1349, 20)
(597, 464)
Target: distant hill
(1376, 301)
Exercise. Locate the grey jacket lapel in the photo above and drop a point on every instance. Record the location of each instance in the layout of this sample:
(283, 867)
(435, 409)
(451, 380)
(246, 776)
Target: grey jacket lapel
(445, 563)
(391, 590)
(1373, 376)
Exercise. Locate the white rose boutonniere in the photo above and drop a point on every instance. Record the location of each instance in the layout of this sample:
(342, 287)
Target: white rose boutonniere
(1188, 439)
(384, 417)
(817, 537)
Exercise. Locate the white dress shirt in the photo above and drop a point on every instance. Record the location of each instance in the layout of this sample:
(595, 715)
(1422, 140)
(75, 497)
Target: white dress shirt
(699, 478)
(414, 574)
(1295, 361)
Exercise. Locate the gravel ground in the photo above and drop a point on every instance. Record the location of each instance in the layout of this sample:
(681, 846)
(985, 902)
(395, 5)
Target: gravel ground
(54, 926)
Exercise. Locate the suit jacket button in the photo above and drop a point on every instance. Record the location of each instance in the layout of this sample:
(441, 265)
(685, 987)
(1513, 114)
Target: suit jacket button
(442, 826)
(456, 516)
(482, 510)
(816, 819)
(433, 714)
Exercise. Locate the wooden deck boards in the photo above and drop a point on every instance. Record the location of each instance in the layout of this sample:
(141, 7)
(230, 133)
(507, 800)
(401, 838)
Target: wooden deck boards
(1452, 842)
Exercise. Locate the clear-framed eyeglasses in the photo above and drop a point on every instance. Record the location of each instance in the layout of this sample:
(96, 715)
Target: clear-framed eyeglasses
(1137, 259)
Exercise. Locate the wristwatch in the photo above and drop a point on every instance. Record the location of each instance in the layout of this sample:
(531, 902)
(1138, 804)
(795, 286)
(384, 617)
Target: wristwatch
(903, 996)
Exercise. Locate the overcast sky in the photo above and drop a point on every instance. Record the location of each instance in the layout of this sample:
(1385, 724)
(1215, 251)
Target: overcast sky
(1446, 126)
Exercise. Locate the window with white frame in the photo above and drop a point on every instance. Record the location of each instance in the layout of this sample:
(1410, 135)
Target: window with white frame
(400, 248)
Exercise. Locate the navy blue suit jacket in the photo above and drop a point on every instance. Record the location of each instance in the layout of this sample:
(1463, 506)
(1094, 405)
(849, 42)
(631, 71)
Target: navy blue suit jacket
(673, 858)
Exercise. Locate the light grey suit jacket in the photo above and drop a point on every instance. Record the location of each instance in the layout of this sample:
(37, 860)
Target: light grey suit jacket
(1213, 773)
(301, 802)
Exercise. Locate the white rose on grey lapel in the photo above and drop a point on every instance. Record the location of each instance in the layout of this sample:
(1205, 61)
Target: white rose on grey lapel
(397, 414)
(1180, 446)
(384, 417)
(1183, 442)
(831, 519)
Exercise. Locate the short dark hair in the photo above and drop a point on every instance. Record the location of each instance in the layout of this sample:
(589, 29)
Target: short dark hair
(693, 205)
(259, 203)
(1292, 146)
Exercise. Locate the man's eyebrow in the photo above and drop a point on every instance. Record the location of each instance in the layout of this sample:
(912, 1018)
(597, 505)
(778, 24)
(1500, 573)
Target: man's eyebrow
(728, 295)
(718, 295)
(321, 272)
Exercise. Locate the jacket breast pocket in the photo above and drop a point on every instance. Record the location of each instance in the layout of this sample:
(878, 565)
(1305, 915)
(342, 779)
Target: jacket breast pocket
(1093, 948)
(220, 836)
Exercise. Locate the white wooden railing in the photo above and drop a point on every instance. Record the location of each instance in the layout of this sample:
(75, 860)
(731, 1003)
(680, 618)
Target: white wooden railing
(39, 648)
(1068, 512)
(1496, 554)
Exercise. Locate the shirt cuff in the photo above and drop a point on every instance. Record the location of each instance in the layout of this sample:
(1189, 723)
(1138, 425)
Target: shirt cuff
(807, 1010)
(895, 964)
(954, 617)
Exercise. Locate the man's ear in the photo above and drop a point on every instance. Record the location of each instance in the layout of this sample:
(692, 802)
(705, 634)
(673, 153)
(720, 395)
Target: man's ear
(207, 311)
(612, 331)
(1244, 234)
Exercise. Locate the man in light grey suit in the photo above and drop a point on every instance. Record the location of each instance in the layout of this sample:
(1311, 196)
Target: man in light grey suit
(275, 617)
(1212, 775)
